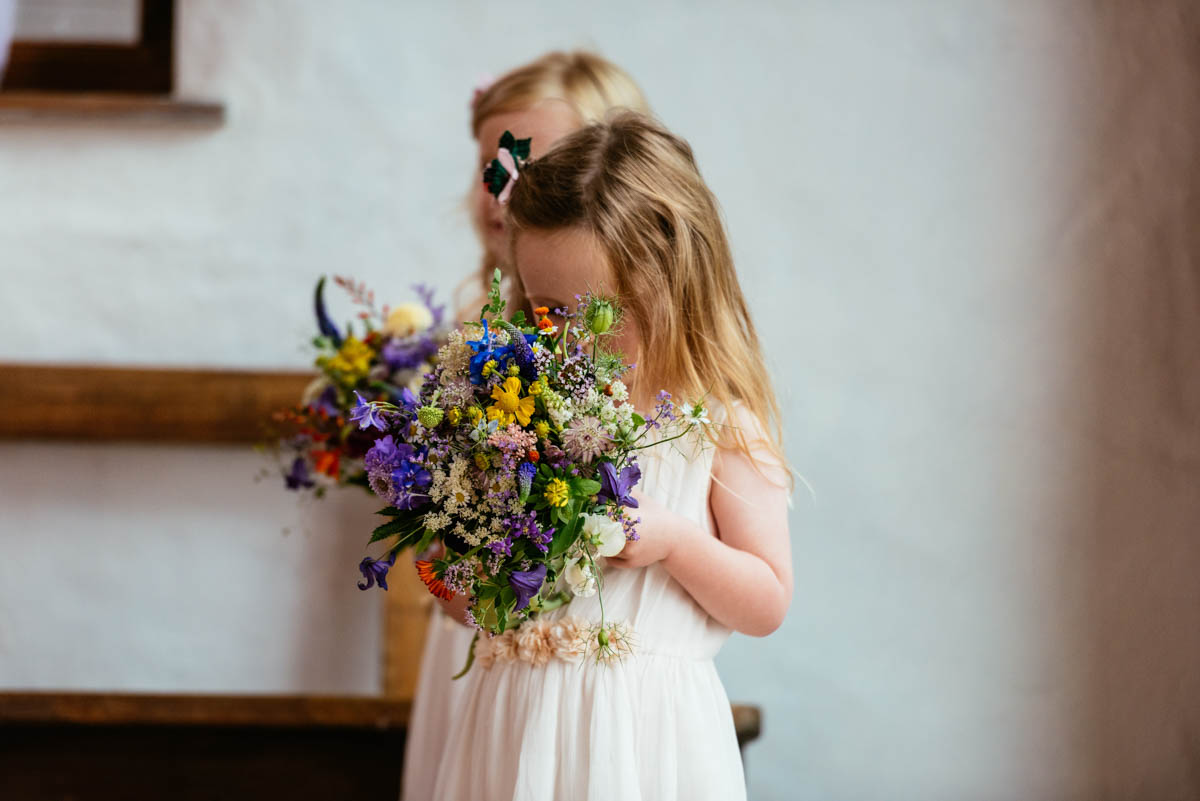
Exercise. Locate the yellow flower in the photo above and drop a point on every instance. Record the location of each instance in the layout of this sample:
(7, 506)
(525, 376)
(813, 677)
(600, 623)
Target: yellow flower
(454, 416)
(542, 429)
(510, 403)
(352, 361)
(537, 387)
(514, 370)
(499, 415)
(489, 367)
(481, 461)
(475, 413)
(557, 492)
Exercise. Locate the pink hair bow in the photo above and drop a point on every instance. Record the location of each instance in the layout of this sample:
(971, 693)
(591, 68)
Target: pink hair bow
(505, 157)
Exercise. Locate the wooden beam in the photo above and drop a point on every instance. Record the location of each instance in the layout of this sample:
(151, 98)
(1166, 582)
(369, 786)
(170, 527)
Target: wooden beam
(92, 107)
(136, 709)
(98, 404)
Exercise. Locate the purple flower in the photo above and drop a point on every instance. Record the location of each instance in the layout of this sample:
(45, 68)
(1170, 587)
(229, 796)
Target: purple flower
(298, 477)
(367, 414)
(526, 584)
(407, 399)
(616, 487)
(386, 454)
(397, 474)
(501, 546)
(408, 353)
(375, 571)
(425, 293)
(326, 402)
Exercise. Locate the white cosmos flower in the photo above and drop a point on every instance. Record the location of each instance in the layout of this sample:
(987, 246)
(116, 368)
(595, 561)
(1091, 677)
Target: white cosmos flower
(580, 577)
(607, 533)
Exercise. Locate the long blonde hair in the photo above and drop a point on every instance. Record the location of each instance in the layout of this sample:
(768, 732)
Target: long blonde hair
(591, 85)
(635, 186)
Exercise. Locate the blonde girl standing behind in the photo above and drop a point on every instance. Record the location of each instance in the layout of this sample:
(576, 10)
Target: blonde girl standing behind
(545, 99)
(620, 207)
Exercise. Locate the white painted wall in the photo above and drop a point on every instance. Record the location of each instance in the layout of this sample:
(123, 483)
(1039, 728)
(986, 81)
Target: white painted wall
(957, 227)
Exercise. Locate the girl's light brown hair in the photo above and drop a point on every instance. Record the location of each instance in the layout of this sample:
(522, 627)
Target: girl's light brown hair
(635, 186)
(590, 85)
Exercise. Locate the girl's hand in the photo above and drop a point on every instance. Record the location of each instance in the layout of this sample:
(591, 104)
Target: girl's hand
(658, 534)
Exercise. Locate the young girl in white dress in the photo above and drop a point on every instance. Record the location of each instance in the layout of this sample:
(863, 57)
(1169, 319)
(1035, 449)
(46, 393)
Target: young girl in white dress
(544, 100)
(620, 207)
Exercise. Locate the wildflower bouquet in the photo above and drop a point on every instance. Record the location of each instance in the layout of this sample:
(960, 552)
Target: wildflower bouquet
(316, 445)
(518, 457)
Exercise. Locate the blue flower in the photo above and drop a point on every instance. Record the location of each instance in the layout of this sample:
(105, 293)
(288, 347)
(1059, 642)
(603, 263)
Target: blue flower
(525, 474)
(367, 414)
(324, 324)
(526, 584)
(375, 571)
(485, 351)
(409, 479)
(614, 487)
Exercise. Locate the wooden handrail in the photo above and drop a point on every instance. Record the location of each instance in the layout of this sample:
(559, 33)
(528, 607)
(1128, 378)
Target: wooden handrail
(142, 404)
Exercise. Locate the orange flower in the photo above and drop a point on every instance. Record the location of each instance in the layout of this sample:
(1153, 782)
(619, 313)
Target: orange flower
(326, 462)
(435, 585)
(541, 310)
(545, 323)
(534, 455)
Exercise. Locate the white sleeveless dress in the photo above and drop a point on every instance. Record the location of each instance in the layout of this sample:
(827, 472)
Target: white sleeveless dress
(654, 726)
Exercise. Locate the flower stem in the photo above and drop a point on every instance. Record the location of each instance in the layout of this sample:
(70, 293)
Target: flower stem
(470, 658)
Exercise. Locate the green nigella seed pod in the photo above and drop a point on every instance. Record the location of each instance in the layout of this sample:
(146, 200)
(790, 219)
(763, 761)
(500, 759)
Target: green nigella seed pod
(429, 416)
(602, 637)
(599, 316)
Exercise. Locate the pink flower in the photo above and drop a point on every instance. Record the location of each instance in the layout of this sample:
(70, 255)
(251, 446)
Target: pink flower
(534, 644)
(586, 439)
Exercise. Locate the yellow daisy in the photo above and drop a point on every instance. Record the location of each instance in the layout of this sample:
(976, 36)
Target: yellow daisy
(510, 404)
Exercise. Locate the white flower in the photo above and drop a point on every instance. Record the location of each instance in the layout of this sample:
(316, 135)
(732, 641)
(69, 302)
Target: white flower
(558, 408)
(580, 578)
(407, 319)
(696, 413)
(607, 533)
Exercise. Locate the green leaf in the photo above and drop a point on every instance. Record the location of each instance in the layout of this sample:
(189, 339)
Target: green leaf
(390, 511)
(584, 487)
(566, 535)
(389, 529)
(638, 420)
(426, 539)
(518, 319)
